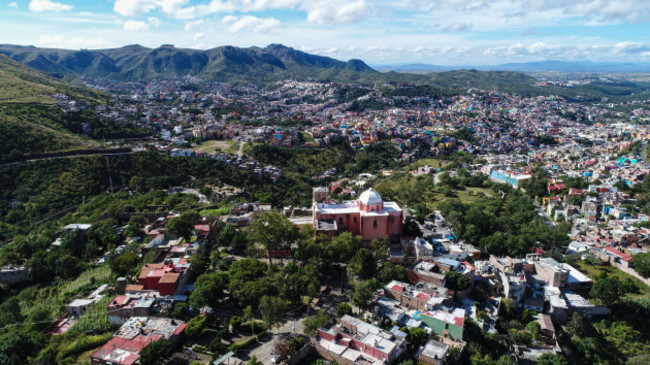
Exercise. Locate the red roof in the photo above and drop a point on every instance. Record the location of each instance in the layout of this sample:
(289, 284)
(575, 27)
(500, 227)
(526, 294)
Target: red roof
(397, 288)
(623, 256)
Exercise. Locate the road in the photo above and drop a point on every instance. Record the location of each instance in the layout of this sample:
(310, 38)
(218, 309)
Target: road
(240, 151)
(81, 154)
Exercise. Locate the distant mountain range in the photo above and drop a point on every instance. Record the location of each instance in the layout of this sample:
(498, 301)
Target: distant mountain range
(227, 63)
(542, 66)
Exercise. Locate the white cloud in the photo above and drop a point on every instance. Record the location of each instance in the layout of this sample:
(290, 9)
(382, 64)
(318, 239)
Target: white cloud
(13, 5)
(335, 11)
(198, 36)
(249, 22)
(155, 22)
(58, 41)
(135, 25)
(318, 11)
(47, 5)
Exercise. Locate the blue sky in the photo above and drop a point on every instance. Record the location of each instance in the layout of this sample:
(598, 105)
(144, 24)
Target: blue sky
(444, 32)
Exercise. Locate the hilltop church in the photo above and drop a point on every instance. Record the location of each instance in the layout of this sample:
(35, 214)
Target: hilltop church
(369, 216)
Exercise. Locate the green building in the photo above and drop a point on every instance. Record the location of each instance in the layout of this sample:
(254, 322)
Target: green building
(445, 324)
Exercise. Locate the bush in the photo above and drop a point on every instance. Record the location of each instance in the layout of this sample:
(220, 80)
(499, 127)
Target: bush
(235, 324)
(242, 345)
(195, 326)
(297, 343)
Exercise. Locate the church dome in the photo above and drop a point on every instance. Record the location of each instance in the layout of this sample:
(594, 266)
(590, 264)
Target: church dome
(370, 197)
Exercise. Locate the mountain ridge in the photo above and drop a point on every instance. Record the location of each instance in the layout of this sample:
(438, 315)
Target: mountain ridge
(224, 63)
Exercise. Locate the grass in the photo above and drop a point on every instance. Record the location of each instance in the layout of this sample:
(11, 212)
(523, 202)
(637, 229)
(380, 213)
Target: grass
(307, 137)
(466, 196)
(594, 272)
(435, 163)
(226, 146)
(49, 302)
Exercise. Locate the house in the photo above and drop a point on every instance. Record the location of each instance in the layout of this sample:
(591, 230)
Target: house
(418, 298)
(134, 336)
(444, 323)
(432, 353)
(78, 307)
(126, 306)
(351, 341)
(11, 275)
(164, 277)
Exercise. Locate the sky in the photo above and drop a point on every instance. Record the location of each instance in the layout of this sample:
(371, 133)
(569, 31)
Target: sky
(380, 32)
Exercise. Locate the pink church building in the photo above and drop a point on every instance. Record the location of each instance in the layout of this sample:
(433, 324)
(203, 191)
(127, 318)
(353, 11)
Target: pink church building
(369, 216)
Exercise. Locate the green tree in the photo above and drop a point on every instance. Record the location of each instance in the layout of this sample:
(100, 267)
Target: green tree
(363, 293)
(363, 264)
(125, 263)
(181, 227)
(343, 309)
(249, 283)
(607, 290)
(417, 337)
(273, 231)
(195, 327)
(345, 245)
(208, 289)
(233, 238)
(641, 263)
(135, 226)
(552, 359)
(155, 353)
(274, 310)
(314, 322)
(456, 281)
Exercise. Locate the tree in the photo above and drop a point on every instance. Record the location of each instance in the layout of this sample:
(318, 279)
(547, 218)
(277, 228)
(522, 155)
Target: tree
(195, 327)
(180, 227)
(155, 353)
(552, 359)
(363, 264)
(274, 310)
(607, 290)
(363, 293)
(233, 238)
(641, 263)
(314, 322)
(417, 337)
(534, 328)
(199, 263)
(135, 226)
(103, 234)
(125, 263)
(248, 282)
(390, 272)
(208, 289)
(273, 231)
(456, 281)
(343, 309)
(345, 245)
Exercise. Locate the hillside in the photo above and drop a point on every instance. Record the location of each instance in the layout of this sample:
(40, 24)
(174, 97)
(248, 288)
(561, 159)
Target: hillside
(227, 63)
(29, 122)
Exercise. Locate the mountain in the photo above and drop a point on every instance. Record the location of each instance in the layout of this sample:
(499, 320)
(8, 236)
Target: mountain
(542, 66)
(29, 119)
(230, 64)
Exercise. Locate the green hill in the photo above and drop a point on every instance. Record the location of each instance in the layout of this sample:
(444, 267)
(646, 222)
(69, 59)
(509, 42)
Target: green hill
(30, 121)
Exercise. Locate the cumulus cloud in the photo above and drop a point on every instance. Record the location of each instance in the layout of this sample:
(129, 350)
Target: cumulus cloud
(249, 22)
(154, 22)
(13, 5)
(47, 5)
(135, 25)
(318, 11)
(58, 41)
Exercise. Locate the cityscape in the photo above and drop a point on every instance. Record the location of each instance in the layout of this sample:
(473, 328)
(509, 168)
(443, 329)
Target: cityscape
(261, 203)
